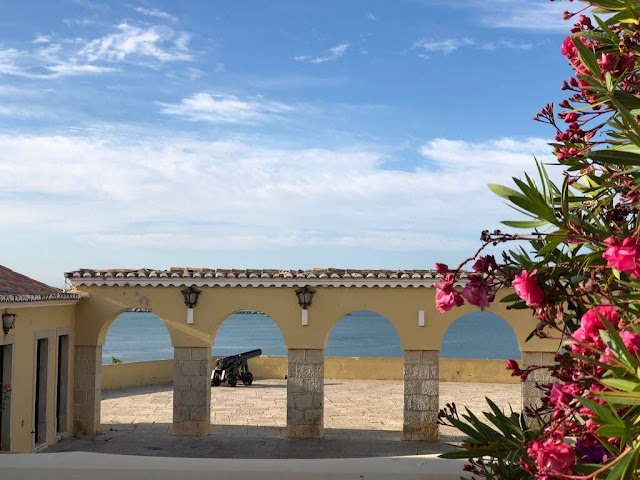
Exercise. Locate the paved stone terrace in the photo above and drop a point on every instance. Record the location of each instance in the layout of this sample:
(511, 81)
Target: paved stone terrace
(362, 418)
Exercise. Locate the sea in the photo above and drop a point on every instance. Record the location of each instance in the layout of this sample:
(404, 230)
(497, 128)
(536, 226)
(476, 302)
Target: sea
(141, 336)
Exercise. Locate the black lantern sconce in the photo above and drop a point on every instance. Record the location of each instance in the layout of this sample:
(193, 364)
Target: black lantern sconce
(190, 295)
(8, 322)
(305, 296)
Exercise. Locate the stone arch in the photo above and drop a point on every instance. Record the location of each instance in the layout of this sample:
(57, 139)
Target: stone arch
(339, 313)
(149, 319)
(353, 316)
(367, 418)
(264, 315)
(480, 335)
(106, 325)
(95, 314)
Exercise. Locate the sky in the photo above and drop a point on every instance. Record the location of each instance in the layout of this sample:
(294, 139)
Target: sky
(287, 134)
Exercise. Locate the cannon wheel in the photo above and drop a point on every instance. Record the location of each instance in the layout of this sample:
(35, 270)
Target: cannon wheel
(247, 379)
(216, 380)
(232, 380)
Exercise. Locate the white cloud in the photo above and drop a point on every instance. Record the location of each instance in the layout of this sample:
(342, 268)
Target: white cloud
(534, 15)
(42, 38)
(506, 44)
(334, 53)
(22, 111)
(443, 46)
(158, 42)
(223, 108)
(71, 69)
(427, 46)
(154, 12)
(234, 195)
(44, 64)
(371, 16)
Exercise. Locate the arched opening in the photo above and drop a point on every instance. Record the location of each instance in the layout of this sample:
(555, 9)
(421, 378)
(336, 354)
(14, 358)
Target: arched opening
(472, 363)
(137, 373)
(259, 407)
(363, 377)
(480, 335)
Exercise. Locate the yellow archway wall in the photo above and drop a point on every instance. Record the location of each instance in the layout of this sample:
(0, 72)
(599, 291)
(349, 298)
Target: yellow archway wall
(398, 305)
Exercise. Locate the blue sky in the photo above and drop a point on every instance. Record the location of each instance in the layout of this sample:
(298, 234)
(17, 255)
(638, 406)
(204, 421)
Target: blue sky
(265, 134)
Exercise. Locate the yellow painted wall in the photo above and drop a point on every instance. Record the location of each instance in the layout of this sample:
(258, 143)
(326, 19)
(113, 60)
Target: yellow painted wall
(29, 322)
(131, 374)
(366, 368)
(399, 305)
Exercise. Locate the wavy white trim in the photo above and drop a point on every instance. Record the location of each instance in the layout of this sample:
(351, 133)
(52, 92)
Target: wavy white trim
(254, 282)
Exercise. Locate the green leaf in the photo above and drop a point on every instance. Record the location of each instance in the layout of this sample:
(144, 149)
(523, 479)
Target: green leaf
(621, 398)
(611, 156)
(525, 223)
(504, 192)
(621, 384)
(587, 58)
(617, 431)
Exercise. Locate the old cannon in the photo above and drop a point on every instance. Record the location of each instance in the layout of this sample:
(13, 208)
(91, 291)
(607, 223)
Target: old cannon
(234, 368)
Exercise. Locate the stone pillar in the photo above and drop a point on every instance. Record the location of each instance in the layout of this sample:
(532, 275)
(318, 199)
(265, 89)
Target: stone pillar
(87, 389)
(421, 395)
(191, 391)
(305, 393)
(531, 395)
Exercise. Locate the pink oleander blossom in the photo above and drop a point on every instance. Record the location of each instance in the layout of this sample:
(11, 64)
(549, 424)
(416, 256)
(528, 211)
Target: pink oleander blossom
(623, 255)
(562, 395)
(475, 292)
(447, 296)
(484, 264)
(528, 289)
(552, 456)
(631, 340)
(590, 326)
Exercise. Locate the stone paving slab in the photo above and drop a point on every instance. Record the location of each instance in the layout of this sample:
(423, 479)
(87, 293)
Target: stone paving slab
(363, 418)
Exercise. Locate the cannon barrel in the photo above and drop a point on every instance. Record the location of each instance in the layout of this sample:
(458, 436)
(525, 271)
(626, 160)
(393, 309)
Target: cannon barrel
(225, 362)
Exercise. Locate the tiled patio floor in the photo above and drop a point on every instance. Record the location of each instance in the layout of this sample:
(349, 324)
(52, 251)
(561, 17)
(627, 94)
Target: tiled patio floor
(362, 418)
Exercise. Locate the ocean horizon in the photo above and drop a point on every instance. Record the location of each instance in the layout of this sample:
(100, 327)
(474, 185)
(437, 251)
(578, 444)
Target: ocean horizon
(141, 336)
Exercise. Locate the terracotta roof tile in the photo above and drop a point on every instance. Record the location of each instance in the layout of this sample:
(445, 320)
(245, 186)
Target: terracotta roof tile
(14, 283)
(15, 287)
(251, 273)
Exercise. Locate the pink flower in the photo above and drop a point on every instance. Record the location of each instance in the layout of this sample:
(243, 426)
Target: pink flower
(512, 365)
(627, 62)
(568, 48)
(447, 297)
(552, 456)
(631, 340)
(476, 294)
(592, 321)
(442, 268)
(590, 326)
(8, 385)
(624, 257)
(483, 264)
(571, 117)
(561, 395)
(527, 289)
(584, 21)
(608, 62)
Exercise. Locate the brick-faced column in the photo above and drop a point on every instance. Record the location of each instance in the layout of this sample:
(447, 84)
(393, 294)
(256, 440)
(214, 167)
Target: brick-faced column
(305, 393)
(531, 395)
(191, 391)
(421, 395)
(87, 385)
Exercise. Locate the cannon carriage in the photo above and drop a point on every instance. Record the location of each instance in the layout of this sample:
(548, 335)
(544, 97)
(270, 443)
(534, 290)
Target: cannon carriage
(234, 368)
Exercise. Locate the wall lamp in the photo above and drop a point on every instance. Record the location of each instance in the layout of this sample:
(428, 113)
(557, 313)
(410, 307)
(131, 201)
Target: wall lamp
(305, 296)
(190, 295)
(8, 322)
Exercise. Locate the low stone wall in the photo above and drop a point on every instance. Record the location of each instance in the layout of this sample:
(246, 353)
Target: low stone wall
(365, 368)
